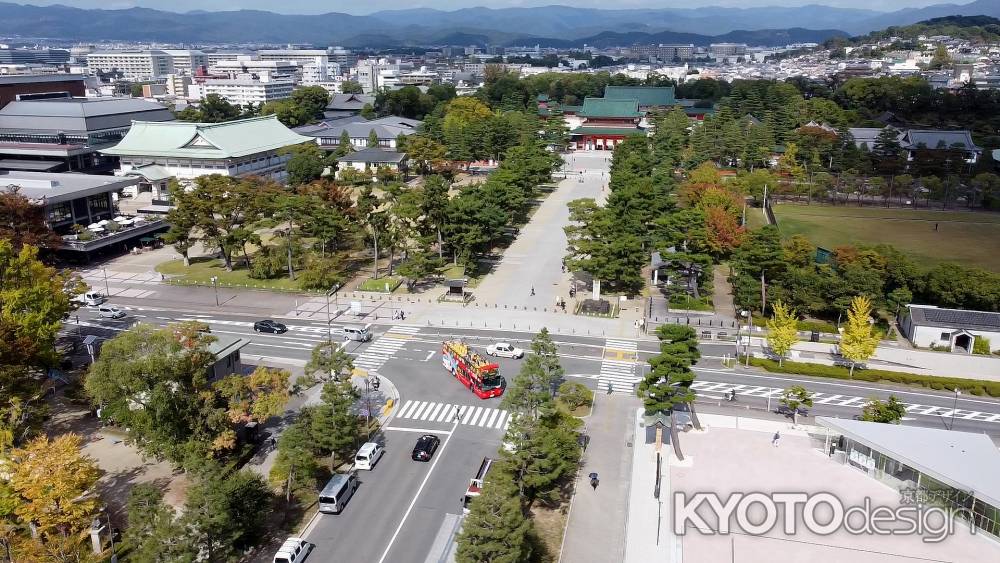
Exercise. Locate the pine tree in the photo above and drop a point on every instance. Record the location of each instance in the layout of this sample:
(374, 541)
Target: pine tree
(372, 139)
(886, 412)
(496, 529)
(668, 383)
(796, 397)
(336, 421)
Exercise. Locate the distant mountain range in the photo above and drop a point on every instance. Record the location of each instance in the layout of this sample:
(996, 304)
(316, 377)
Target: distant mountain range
(548, 25)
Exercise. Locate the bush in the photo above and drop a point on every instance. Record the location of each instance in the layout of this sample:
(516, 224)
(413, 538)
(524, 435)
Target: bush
(321, 273)
(818, 326)
(575, 395)
(269, 263)
(971, 386)
(981, 346)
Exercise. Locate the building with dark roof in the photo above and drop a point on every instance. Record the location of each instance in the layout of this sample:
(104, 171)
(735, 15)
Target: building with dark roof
(38, 85)
(345, 105)
(82, 209)
(65, 134)
(913, 141)
(370, 160)
(328, 132)
(954, 329)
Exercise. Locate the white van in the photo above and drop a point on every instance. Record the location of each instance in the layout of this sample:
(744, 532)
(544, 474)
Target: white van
(294, 550)
(110, 312)
(92, 298)
(337, 492)
(368, 456)
(358, 333)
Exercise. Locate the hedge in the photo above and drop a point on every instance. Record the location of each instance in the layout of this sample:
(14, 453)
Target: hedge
(971, 386)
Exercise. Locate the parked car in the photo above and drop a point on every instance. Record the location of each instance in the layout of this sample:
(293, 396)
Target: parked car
(425, 448)
(268, 325)
(504, 349)
(110, 312)
(294, 550)
(368, 455)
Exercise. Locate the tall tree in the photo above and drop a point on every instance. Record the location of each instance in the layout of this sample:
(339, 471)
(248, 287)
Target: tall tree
(668, 383)
(149, 381)
(335, 424)
(295, 464)
(22, 221)
(52, 477)
(496, 529)
(329, 361)
(782, 330)
(859, 340)
(351, 87)
(153, 528)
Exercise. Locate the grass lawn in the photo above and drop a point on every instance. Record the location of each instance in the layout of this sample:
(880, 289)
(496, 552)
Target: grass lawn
(962, 236)
(201, 271)
(379, 284)
(755, 217)
(550, 524)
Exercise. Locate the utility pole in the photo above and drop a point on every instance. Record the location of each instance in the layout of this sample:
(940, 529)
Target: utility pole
(107, 289)
(954, 408)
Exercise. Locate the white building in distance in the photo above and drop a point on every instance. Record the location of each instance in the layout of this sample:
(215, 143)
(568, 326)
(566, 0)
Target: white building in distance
(134, 65)
(248, 89)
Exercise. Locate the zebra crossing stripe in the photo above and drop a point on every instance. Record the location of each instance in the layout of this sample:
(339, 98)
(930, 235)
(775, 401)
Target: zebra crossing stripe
(493, 417)
(432, 414)
(408, 408)
(420, 410)
(621, 344)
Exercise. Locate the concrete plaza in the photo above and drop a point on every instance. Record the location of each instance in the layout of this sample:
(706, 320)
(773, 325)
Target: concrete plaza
(737, 456)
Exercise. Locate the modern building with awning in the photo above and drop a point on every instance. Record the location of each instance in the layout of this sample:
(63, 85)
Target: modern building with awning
(936, 467)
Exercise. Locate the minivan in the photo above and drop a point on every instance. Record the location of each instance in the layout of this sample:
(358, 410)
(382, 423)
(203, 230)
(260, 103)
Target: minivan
(337, 492)
(368, 456)
(294, 550)
(110, 312)
(358, 333)
(93, 298)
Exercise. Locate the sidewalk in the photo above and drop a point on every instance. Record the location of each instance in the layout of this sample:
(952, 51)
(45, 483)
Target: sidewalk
(595, 531)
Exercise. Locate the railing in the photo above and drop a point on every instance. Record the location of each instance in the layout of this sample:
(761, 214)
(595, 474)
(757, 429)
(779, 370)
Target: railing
(124, 233)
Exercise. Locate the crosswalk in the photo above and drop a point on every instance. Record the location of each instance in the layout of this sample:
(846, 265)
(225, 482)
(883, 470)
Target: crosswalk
(379, 351)
(430, 411)
(618, 366)
(841, 400)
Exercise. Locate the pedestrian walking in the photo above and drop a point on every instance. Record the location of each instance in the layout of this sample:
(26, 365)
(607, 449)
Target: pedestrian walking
(935, 227)
(458, 414)
(594, 481)
(776, 439)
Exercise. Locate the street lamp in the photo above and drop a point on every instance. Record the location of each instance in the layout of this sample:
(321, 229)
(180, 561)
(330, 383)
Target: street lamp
(749, 315)
(215, 285)
(329, 329)
(954, 408)
(107, 289)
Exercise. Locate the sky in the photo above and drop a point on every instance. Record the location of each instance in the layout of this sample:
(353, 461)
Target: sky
(353, 7)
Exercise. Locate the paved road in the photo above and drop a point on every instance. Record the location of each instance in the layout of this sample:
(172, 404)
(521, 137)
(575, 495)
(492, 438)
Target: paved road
(534, 260)
(405, 511)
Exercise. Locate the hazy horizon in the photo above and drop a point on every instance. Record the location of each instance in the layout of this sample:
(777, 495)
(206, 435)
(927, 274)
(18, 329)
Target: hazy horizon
(321, 6)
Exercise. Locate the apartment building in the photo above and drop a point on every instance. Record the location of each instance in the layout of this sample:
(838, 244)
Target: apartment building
(250, 89)
(10, 56)
(187, 61)
(134, 65)
(662, 52)
(246, 64)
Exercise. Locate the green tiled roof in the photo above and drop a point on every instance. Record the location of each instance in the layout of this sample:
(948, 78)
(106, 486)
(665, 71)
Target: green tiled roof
(232, 139)
(603, 107)
(647, 96)
(607, 131)
(572, 109)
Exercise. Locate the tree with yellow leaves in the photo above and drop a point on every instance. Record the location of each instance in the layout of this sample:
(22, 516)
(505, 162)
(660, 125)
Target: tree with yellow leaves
(782, 330)
(54, 479)
(255, 397)
(859, 340)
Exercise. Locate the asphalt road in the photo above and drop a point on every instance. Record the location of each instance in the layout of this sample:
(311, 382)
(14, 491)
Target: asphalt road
(404, 511)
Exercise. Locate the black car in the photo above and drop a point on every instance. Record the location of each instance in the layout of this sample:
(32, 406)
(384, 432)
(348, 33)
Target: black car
(270, 326)
(425, 448)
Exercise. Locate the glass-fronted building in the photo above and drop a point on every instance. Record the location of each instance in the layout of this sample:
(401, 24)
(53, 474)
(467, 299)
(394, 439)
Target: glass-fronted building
(952, 470)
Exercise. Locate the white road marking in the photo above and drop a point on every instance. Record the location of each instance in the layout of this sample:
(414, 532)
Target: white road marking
(419, 430)
(432, 414)
(429, 356)
(420, 410)
(420, 489)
